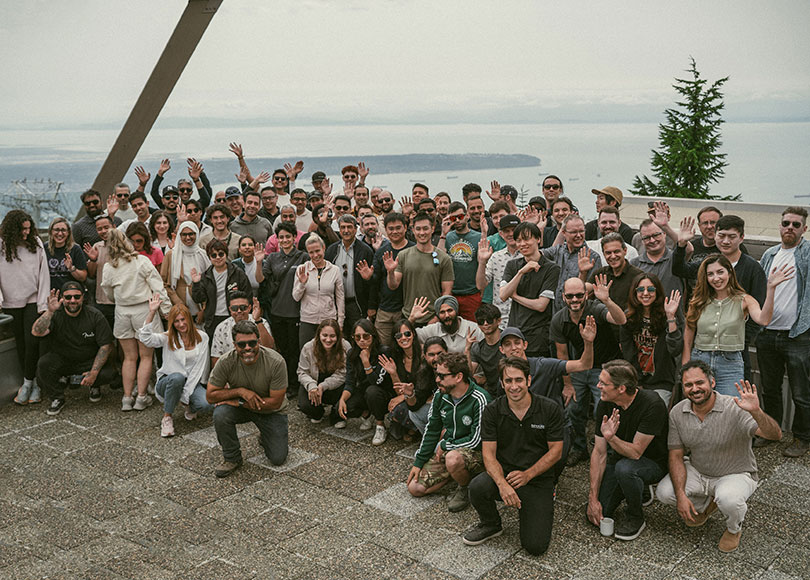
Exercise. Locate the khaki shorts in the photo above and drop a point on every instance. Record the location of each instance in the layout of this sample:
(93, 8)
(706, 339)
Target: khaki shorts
(435, 471)
(129, 320)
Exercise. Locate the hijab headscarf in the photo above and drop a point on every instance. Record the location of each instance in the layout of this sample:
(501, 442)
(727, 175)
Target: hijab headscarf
(184, 257)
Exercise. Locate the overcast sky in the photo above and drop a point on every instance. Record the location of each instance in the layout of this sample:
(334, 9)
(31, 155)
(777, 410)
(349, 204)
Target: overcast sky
(73, 62)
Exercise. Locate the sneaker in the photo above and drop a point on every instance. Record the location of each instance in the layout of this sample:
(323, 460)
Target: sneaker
(760, 442)
(23, 393)
(36, 395)
(315, 421)
(56, 407)
(95, 394)
(701, 518)
(341, 424)
(150, 388)
(629, 530)
(126, 403)
(142, 402)
(729, 542)
(576, 456)
(481, 533)
(189, 415)
(380, 435)
(167, 426)
(367, 423)
(227, 468)
(796, 449)
(647, 496)
(458, 500)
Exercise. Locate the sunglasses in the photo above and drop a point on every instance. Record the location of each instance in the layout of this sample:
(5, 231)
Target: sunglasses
(122, 195)
(349, 176)
(553, 186)
(486, 321)
(648, 289)
(92, 202)
(342, 207)
(171, 196)
(219, 199)
(442, 375)
(279, 178)
(435, 256)
(385, 199)
(217, 255)
(194, 210)
(71, 297)
(239, 307)
(404, 333)
(455, 218)
(787, 224)
(246, 343)
(185, 190)
(362, 336)
(575, 295)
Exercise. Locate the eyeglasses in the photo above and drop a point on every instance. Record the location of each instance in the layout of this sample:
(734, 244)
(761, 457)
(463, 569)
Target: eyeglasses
(404, 333)
(279, 178)
(654, 236)
(486, 321)
(342, 207)
(435, 256)
(219, 199)
(647, 289)
(185, 190)
(247, 343)
(442, 375)
(187, 235)
(217, 255)
(71, 297)
(194, 210)
(575, 232)
(575, 296)
(239, 307)
(455, 218)
(362, 336)
(171, 196)
(92, 202)
(788, 223)
(554, 186)
(122, 195)
(349, 176)
(59, 230)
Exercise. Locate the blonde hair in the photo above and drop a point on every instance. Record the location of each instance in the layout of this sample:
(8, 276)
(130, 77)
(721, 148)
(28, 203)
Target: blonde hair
(68, 241)
(119, 248)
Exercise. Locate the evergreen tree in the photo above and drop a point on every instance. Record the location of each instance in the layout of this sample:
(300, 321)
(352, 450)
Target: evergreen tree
(688, 161)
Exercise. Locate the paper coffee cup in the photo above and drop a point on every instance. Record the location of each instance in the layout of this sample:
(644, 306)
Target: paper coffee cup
(606, 527)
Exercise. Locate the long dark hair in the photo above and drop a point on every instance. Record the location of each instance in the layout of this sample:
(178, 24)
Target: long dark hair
(11, 232)
(635, 310)
(155, 216)
(374, 350)
(138, 229)
(705, 292)
(329, 362)
(416, 348)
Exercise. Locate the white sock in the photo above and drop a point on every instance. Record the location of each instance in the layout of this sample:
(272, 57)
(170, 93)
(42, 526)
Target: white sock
(28, 383)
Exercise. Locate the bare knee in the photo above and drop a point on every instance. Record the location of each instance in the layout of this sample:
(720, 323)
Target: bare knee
(416, 489)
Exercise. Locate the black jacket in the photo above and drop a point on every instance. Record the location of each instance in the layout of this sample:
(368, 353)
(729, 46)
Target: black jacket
(206, 291)
(362, 252)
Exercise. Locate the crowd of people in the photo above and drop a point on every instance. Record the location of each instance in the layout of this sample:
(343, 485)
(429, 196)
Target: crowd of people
(490, 335)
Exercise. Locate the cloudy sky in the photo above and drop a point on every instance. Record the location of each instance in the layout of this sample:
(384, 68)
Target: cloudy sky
(76, 62)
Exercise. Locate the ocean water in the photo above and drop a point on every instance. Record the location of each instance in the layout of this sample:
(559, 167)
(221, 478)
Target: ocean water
(767, 162)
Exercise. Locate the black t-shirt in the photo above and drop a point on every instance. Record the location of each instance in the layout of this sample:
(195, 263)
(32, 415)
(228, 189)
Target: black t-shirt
(546, 374)
(522, 443)
(487, 357)
(78, 338)
(620, 289)
(647, 414)
(56, 264)
(532, 285)
(605, 347)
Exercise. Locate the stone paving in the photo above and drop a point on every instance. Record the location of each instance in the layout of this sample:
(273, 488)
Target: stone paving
(96, 493)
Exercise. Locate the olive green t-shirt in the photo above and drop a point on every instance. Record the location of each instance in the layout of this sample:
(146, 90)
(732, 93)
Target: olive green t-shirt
(268, 373)
(422, 275)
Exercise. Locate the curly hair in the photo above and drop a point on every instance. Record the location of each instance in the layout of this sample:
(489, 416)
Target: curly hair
(329, 361)
(635, 310)
(119, 248)
(68, 241)
(705, 292)
(11, 233)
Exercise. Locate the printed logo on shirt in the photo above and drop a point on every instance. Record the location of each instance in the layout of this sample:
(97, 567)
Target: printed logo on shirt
(467, 420)
(443, 413)
(535, 426)
(461, 251)
(88, 334)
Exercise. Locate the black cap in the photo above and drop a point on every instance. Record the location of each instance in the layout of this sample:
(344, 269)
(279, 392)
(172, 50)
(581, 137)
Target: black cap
(170, 189)
(318, 176)
(511, 331)
(510, 191)
(232, 191)
(539, 200)
(508, 221)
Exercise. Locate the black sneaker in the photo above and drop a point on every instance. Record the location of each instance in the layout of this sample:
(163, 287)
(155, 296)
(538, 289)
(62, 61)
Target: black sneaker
(95, 394)
(629, 530)
(481, 533)
(647, 496)
(56, 407)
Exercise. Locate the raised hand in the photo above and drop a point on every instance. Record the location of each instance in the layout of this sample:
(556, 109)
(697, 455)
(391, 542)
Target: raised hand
(165, 166)
(258, 253)
(365, 271)
(241, 176)
(236, 149)
(588, 330)
(257, 309)
(142, 175)
(687, 231)
(447, 225)
(748, 400)
(326, 187)
(484, 226)
(470, 339)
(263, 177)
(671, 304)
(485, 250)
(610, 425)
(54, 301)
(584, 260)
(601, 288)
(494, 192)
(171, 240)
(91, 251)
(292, 171)
(112, 205)
(420, 307)
(195, 168)
(389, 261)
(182, 213)
(68, 262)
(154, 302)
(302, 274)
(661, 216)
(388, 364)
(779, 275)
(362, 172)
(195, 275)
(407, 205)
(530, 215)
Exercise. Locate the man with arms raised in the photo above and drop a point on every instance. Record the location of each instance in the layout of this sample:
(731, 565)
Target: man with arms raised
(716, 431)
(522, 441)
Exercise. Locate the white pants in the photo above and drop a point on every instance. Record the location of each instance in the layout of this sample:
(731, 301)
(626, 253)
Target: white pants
(730, 493)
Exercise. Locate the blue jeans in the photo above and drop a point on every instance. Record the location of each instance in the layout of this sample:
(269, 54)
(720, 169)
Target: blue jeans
(776, 353)
(272, 432)
(576, 412)
(625, 480)
(728, 368)
(170, 388)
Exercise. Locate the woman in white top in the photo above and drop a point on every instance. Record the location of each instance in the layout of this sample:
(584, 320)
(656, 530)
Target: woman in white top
(318, 287)
(184, 374)
(130, 280)
(251, 256)
(187, 255)
(322, 371)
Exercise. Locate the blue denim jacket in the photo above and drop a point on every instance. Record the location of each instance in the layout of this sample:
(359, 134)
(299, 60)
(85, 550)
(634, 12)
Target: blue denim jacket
(802, 274)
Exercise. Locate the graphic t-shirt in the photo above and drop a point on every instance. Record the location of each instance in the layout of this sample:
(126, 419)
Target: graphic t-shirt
(78, 338)
(463, 250)
(56, 264)
(645, 346)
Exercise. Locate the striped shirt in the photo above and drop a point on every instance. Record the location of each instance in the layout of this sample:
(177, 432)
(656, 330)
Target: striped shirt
(721, 443)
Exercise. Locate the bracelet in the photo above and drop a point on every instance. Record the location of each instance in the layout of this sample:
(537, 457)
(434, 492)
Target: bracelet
(368, 368)
(672, 320)
(442, 238)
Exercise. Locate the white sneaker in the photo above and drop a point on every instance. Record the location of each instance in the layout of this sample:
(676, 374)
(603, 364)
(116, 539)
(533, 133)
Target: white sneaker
(367, 423)
(142, 402)
(340, 424)
(167, 427)
(315, 421)
(150, 388)
(126, 403)
(189, 415)
(380, 435)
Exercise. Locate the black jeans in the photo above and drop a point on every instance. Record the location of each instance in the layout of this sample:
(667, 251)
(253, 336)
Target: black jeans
(53, 365)
(375, 398)
(27, 344)
(536, 510)
(285, 335)
(329, 397)
(625, 480)
(777, 353)
(352, 315)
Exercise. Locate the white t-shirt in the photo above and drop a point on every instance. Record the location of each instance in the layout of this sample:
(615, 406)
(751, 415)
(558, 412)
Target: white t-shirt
(786, 296)
(250, 272)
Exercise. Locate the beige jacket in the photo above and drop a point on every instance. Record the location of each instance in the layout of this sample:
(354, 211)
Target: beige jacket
(321, 297)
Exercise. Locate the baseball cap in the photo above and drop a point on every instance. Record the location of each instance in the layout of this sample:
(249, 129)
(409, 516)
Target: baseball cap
(511, 331)
(539, 200)
(508, 221)
(170, 189)
(509, 190)
(610, 191)
(232, 191)
(318, 176)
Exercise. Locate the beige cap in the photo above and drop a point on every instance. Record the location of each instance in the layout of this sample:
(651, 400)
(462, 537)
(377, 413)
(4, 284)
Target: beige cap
(610, 191)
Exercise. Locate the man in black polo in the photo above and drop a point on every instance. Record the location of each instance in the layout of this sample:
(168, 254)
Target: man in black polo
(522, 440)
